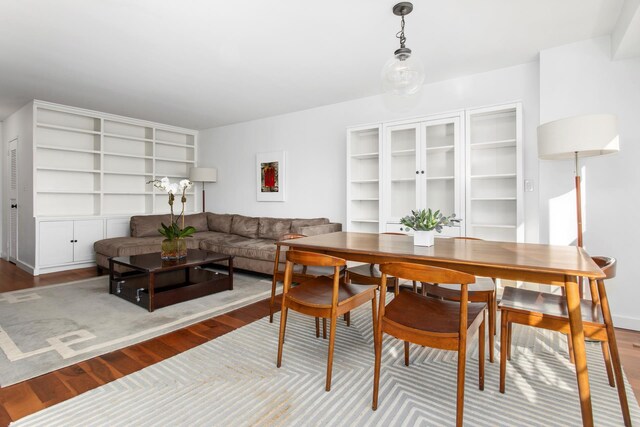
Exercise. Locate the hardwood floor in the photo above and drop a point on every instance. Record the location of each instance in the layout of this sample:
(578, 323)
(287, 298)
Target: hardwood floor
(30, 396)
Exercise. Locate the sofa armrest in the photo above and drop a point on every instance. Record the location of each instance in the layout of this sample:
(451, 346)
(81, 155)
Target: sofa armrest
(314, 230)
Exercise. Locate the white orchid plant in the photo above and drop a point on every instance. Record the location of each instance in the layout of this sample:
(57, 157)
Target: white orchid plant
(173, 230)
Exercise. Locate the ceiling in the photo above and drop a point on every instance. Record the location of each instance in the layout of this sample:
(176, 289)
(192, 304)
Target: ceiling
(206, 63)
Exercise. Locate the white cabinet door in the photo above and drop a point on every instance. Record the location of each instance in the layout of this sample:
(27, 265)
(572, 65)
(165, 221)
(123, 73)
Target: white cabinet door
(56, 242)
(85, 233)
(401, 170)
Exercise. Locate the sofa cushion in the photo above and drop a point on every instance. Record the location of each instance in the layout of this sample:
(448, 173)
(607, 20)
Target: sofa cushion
(125, 246)
(147, 225)
(298, 224)
(273, 228)
(263, 249)
(198, 221)
(219, 222)
(245, 226)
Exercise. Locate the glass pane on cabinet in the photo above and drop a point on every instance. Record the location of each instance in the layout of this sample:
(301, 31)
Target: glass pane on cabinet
(403, 172)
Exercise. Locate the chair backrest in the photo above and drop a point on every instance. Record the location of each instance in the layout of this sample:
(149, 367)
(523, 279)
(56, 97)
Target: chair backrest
(314, 259)
(426, 273)
(608, 265)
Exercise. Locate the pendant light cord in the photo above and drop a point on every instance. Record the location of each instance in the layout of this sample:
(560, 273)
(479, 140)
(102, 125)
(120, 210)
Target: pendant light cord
(400, 34)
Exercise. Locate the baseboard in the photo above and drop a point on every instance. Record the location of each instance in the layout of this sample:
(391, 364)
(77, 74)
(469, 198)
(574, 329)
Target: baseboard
(53, 269)
(625, 322)
(26, 267)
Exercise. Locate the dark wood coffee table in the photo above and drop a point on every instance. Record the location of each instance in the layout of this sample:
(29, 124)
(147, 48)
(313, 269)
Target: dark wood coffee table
(153, 283)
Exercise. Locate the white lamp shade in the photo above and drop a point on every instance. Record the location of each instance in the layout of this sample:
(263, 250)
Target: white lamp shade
(203, 174)
(589, 135)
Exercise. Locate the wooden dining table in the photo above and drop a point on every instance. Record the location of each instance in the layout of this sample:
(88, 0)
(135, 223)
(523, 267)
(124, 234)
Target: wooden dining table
(545, 264)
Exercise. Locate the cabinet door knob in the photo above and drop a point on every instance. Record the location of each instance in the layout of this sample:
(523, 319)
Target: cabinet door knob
(14, 206)
(422, 172)
(71, 241)
(417, 172)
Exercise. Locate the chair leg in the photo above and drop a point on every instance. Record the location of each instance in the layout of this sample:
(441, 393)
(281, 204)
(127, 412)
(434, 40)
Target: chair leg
(492, 325)
(324, 328)
(607, 363)
(348, 318)
(374, 315)
(396, 289)
(509, 336)
(317, 327)
(283, 325)
(481, 352)
(272, 302)
(406, 353)
(332, 339)
(377, 345)
(504, 342)
(415, 286)
(462, 361)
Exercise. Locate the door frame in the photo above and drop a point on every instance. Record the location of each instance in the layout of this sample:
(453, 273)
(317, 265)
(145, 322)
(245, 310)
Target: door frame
(11, 196)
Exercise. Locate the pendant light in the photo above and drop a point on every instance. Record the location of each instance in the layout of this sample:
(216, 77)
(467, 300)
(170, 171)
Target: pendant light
(403, 74)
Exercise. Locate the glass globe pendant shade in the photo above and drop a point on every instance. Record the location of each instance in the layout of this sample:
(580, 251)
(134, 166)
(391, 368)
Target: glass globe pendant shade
(402, 74)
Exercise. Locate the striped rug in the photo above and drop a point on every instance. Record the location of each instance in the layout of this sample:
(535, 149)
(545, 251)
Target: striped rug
(233, 381)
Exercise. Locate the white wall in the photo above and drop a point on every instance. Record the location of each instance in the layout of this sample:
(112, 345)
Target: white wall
(20, 124)
(581, 78)
(315, 142)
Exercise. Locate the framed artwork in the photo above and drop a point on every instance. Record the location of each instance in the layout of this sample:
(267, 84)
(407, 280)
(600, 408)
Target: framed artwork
(270, 168)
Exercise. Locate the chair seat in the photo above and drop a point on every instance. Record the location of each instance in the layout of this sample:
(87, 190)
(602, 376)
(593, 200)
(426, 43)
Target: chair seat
(318, 292)
(547, 305)
(366, 270)
(477, 291)
(429, 314)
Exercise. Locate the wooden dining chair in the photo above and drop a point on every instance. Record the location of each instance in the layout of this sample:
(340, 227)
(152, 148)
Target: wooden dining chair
(549, 311)
(483, 290)
(429, 321)
(323, 296)
(298, 277)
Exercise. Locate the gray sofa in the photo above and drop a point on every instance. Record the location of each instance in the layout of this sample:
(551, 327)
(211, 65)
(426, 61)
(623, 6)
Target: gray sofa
(249, 239)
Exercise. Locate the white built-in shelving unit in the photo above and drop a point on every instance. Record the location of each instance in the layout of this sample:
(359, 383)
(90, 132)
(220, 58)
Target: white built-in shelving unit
(363, 172)
(94, 164)
(464, 162)
(494, 169)
(91, 172)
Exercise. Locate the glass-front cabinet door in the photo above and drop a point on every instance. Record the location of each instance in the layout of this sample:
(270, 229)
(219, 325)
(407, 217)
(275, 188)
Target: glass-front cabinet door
(422, 167)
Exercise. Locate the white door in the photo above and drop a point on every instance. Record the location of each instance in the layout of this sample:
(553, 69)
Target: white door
(85, 233)
(13, 200)
(56, 243)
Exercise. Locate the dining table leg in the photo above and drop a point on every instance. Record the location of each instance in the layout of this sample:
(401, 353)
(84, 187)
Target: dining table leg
(577, 339)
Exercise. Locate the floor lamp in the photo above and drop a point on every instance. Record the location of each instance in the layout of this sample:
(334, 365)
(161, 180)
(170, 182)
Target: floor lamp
(575, 137)
(203, 175)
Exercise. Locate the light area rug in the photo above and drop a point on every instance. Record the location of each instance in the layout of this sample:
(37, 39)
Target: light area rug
(233, 381)
(51, 327)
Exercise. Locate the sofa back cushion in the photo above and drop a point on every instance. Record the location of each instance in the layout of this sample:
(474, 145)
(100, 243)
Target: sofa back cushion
(147, 225)
(197, 221)
(219, 222)
(273, 228)
(245, 226)
(297, 224)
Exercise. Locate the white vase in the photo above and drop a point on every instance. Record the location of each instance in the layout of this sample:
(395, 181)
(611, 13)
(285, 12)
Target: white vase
(424, 238)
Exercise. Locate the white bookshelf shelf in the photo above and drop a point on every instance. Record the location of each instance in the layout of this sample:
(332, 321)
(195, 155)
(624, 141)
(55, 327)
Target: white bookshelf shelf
(75, 150)
(68, 129)
(174, 144)
(127, 173)
(364, 220)
(440, 178)
(398, 180)
(402, 153)
(135, 156)
(493, 199)
(131, 138)
(364, 181)
(128, 192)
(364, 156)
(494, 176)
(493, 144)
(54, 169)
(166, 159)
(494, 225)
(365, 199)
(442, 148)
(67, 192)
